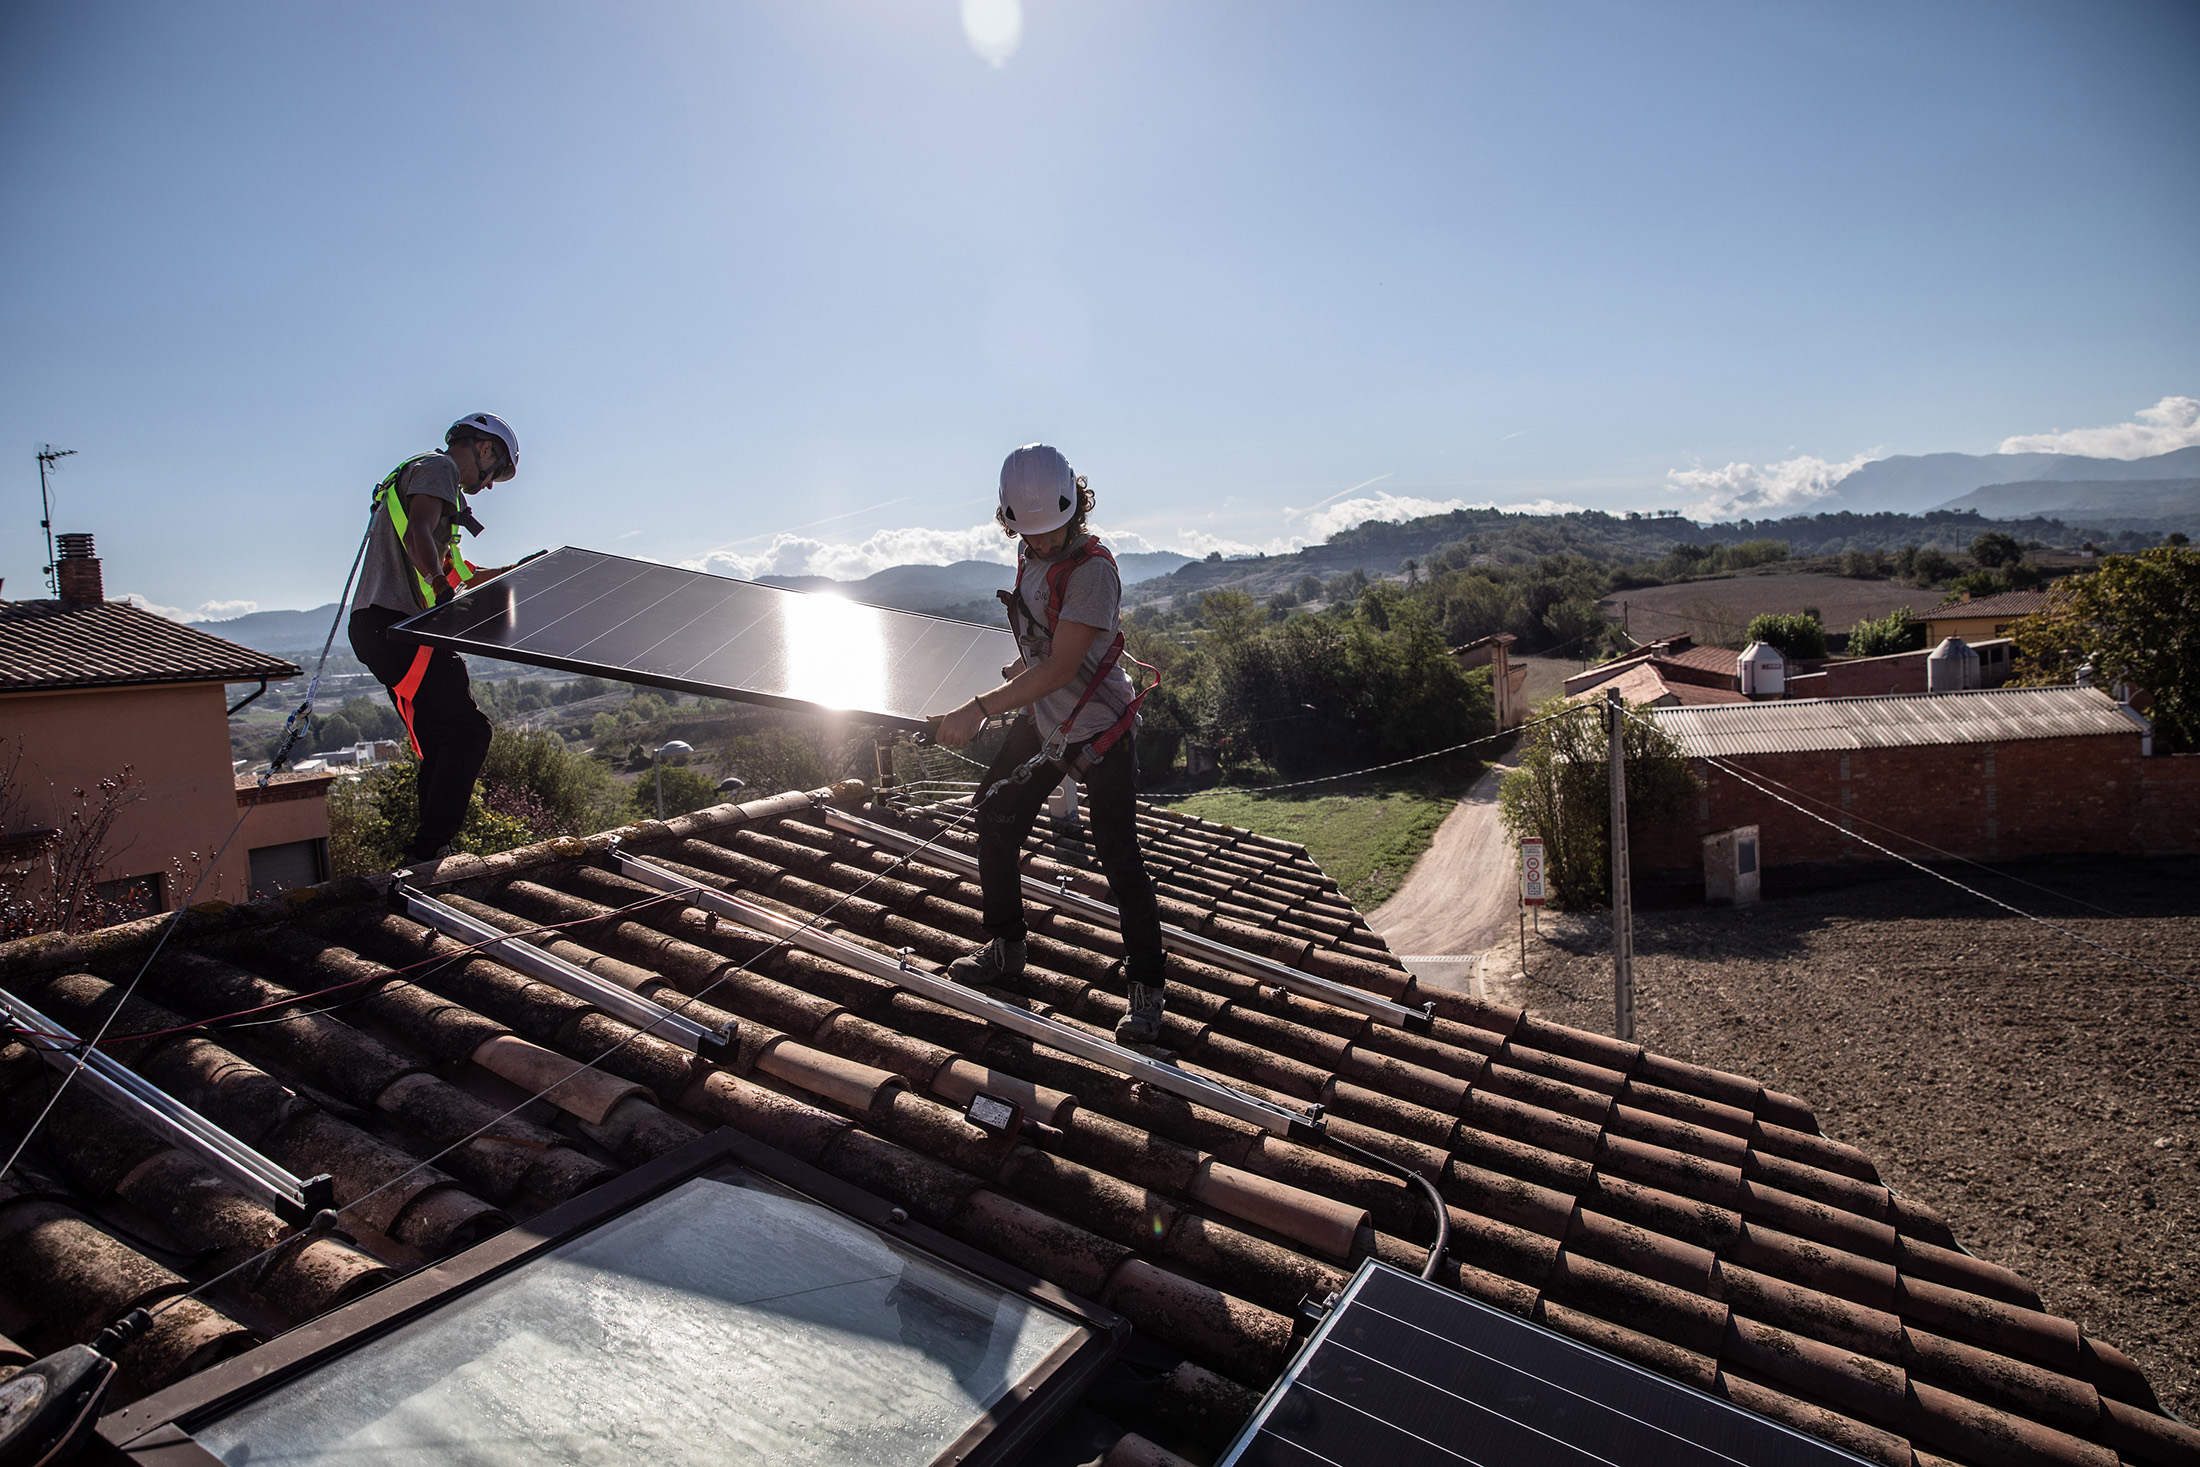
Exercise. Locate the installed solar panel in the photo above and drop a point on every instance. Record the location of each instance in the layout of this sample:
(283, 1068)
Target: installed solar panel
(1403, 1373)
(641, 623)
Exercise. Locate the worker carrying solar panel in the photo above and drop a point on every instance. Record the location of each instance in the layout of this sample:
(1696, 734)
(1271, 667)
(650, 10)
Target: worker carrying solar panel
(1079, 709)
(414, 562)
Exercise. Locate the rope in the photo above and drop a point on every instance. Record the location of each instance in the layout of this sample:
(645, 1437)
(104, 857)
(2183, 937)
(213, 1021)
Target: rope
(1729, 769)
(1263, 789)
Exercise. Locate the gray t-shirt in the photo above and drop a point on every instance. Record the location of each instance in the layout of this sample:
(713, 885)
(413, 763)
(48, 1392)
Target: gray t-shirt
(1093, 597)
(386, 576)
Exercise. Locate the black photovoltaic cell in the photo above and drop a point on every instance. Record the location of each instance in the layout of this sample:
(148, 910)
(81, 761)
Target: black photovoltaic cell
(641, 623)
(1404, 1373)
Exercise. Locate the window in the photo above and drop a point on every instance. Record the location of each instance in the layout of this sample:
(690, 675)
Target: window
(296, 863)
(724, 1317)
(133, 896)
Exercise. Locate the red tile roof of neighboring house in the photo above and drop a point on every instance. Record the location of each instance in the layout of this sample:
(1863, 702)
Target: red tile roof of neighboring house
(2008, 603)
(50, 644)
(1646, 683)
(1721, 660)
(1683, 1218)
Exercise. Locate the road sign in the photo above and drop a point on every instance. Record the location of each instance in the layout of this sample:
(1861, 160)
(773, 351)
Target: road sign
(1531, 872)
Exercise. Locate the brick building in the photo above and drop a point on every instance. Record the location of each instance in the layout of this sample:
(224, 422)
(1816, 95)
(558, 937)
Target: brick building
(90, 686)
(1990, 774)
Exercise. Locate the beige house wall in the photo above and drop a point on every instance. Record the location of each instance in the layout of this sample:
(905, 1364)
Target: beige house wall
(175, 739)
(1971, 628)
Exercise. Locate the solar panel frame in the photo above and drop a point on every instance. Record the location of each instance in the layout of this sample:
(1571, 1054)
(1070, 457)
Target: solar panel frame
(787, 642)
(1404, 1373)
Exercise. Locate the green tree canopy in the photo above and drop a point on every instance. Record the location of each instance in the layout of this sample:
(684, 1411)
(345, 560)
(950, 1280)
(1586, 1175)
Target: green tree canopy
(1885, 635)
(2137, 620)
(1993, 549)
(1796, 633)
(1561, 794)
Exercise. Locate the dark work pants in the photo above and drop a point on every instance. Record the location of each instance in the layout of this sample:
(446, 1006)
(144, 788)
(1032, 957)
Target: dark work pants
(453, 733)
(1110, 807)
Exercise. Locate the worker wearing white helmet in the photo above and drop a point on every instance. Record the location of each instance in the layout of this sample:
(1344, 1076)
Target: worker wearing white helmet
(1075, 704)
(413, 562)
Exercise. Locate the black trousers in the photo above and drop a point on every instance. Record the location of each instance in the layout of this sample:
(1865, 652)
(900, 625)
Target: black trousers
(1111, 808)
(452, 733)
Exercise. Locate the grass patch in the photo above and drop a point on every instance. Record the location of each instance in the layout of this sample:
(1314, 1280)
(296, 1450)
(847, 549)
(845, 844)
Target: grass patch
(1366, 833)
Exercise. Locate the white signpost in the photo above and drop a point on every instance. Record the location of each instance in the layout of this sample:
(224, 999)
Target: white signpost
(1531, 890)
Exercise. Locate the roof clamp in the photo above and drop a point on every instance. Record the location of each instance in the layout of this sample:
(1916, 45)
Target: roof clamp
(1276, 994)
(1061, 882)
(1311, 1311)
(902, 955)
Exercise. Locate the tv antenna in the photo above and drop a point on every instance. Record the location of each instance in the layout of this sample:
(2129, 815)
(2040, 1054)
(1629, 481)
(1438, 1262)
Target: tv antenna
(48, 457)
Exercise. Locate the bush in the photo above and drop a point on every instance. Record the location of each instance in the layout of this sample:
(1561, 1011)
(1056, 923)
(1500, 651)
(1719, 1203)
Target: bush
(1882, 636)
(531, 789)
(1561, 794)
(772, 761)
(685, 789)
(1993, 548)
(1797, 634)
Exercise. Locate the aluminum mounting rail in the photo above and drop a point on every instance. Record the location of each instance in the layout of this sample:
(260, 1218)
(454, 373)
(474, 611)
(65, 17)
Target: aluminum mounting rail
(1299, 1125)
(516, 952)
(1174, 939)
(293, 1199)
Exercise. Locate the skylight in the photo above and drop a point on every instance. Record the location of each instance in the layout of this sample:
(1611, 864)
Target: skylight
(728, 1319)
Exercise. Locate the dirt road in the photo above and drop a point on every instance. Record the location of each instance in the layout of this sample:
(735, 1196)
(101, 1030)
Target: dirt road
(1462, 895)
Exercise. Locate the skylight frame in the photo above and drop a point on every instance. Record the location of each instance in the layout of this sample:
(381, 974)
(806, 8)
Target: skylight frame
(158, 1428)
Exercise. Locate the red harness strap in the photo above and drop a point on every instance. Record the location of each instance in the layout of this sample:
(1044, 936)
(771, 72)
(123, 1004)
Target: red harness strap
(1058, 575)
(407, 688)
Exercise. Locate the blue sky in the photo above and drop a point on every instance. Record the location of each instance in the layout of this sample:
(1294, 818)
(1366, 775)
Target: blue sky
(775, 286)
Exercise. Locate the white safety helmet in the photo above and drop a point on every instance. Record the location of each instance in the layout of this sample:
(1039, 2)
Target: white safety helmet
(1038, 491)
(496, 428)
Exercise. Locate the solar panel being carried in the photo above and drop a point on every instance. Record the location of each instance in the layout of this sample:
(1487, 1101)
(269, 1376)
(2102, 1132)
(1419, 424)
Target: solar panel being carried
(657, 624)
(1403, 1373)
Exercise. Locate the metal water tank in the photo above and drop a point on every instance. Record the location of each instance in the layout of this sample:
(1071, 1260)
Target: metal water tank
(1763, 671)
(1952, 667)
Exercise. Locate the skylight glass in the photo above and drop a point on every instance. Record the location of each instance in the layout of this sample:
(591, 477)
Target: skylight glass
(728, 1320)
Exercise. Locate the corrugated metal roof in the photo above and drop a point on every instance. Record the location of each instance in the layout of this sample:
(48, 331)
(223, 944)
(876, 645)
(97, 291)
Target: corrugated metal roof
(1984, 716)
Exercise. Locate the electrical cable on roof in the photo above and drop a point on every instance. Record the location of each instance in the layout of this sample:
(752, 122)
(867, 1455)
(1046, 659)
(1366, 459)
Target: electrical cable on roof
(327, 1220)
(1929, 871)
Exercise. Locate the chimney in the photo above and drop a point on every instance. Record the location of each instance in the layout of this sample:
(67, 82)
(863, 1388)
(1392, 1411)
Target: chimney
(78, 572)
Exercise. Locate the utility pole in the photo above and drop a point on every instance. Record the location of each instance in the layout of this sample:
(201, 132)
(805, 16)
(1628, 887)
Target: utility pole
(1623, 899)
(47, 456)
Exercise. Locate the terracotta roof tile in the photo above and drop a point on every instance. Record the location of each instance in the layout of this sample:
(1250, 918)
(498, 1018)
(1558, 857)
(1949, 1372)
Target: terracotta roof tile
(50, 644)
(1683, 1218)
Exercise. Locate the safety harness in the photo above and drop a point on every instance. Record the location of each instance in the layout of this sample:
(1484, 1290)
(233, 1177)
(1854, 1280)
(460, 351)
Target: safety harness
(1020, 620)
(457, 571)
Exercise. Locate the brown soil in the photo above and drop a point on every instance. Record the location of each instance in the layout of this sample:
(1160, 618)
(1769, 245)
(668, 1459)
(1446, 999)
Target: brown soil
(1665, 611)
(2042, 1095)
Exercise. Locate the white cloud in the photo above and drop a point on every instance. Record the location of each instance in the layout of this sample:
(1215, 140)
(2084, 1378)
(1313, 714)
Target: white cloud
(1745, 491)
(2170, 424)
(1346, 513)
(206, 611)
(994, 28)
(800, 555)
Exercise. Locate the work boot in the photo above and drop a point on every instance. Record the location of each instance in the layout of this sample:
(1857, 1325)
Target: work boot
(1141, 1027)
(996, 965)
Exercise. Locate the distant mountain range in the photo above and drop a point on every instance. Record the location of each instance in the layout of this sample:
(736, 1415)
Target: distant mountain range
(2089, 500)
(2012, 485)
(279, 631)
(932, 587)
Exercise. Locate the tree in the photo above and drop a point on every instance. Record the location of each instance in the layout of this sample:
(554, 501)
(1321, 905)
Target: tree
(772, 761)
(685, 789)
(532, 788)
(1993, 549)
(1796, 634)
(1561, 794)
(52, 883)
(1883, 636)
(2137, 620)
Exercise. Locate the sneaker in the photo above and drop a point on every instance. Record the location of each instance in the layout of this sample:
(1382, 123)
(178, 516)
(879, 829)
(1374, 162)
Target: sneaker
(1141, 1027)
(997, 964)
